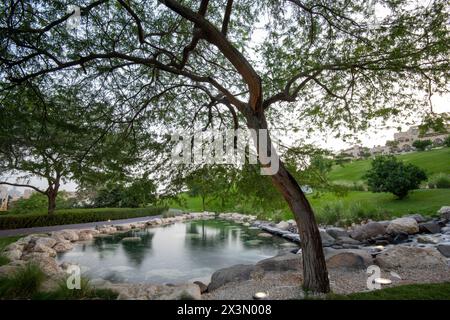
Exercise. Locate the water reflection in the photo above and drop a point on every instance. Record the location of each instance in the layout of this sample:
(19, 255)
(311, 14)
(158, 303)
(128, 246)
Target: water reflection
(173, 253)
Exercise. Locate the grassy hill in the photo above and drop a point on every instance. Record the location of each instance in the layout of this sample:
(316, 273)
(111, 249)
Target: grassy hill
(433, 161)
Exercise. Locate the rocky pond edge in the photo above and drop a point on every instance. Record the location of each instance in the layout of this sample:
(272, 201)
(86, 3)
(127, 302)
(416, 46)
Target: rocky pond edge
(414, 246)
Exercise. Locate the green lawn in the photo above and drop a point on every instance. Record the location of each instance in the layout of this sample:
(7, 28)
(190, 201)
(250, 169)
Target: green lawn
(435, 291)
(424, 201)
(433, 161)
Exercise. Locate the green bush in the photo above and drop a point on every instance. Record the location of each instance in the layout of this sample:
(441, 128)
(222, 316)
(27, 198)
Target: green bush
(71, 216)
(421, 145)
(331, 213)
(23, 284)
(38, 203)
(447, 141)
(440, 181)
(388, 174)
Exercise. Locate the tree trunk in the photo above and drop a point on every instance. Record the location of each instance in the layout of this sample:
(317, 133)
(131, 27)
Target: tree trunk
(315, 274)
(51, 195)
(203, 203)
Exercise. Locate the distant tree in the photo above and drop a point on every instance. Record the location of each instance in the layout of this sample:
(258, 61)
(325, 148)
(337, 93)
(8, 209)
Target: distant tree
(53, 137)
(393, 145)
(38, 203)
(421, 145)
(388, 174)
(140, 192)
(447, 141)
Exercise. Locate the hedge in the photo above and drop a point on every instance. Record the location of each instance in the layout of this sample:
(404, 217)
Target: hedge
(74, 216)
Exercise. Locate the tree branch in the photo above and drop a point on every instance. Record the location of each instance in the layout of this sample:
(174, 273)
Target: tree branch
(22, 185)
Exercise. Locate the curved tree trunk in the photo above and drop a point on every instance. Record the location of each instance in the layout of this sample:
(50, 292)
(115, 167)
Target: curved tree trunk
(315, 272)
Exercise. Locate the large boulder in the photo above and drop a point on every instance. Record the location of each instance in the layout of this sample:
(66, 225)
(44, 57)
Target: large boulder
(47, 264)
(405, 225)
(347, 258)
(63, 246)
(337, 232)
(235, 273)
(367, 231)
(430, 227)
(444, 249)
(418, 217)
(13, 254)
(85, 235)
(44, 249)
(327, 240)
(45, 241)
(445, 212)
(285, 262)
(14, 246)
(283, 225)
(410, 258)
(70, 235)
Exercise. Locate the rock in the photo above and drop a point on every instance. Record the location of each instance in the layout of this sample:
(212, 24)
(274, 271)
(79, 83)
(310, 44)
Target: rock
(63, 246)
(399, 238)
(292, 236)
(283, 262)
(445, 229)
(348, 259)
(69, 235)
(131, 239)
(410, 258)
(429, 227)
(47, 264)
(337, 232)
(368, 230)
(292, 222)
(444, 249)
(327, 240)
(347, 240)
(203, 287)
(123, 227)
(235, 273)
(13, 254)
(418, 217)
(42, 248)
(445, 212)
(273, 230)
(282, 225)
(265, 235)
(406, 225)
(14, 246)
(427, 239)
(85, 235)
(47, 242)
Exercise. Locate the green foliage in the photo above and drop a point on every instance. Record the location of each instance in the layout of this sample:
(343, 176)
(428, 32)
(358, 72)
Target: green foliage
(426, 291)
(23, 284)
(140, 193)
(421, 145)
(388, 174)
(447, 141)
(72, 216)
(38, 203)
(331, 213)
(440, 181)
(433, 161)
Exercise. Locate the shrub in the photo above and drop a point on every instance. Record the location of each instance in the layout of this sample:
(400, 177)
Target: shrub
(331, 213)
(447, 141)
(440, 181)
(23, 284)
(422, 144)
(72, 216)
(388, 174)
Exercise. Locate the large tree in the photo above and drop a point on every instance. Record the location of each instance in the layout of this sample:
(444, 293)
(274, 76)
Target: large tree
(53, 138)
(247, 62)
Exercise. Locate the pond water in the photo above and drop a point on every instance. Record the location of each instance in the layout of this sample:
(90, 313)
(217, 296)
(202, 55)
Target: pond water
(175, 253)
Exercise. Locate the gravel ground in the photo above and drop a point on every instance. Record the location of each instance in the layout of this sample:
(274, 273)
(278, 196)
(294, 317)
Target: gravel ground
(287, 285)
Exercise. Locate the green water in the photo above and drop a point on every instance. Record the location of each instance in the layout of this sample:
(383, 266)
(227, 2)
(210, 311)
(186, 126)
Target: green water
(174, 253)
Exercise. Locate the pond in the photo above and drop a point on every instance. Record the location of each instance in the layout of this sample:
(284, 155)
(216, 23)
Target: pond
(176, 253)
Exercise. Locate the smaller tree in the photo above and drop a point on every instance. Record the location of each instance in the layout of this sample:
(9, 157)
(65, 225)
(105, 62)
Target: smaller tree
(447, 141)
(388, 174)
(421, 145)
